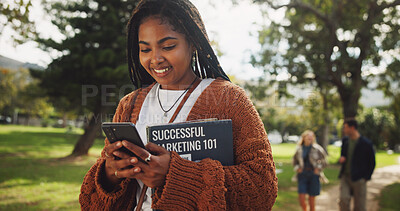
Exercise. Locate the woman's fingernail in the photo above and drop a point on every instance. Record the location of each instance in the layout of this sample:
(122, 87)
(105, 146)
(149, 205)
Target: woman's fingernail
(133, 160)
(118, 144)
(136, 170)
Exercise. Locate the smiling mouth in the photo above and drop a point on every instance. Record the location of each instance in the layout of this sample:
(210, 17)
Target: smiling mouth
(162, 70)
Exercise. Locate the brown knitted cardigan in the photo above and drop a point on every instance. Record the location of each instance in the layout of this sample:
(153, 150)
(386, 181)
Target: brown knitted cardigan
(251, 184)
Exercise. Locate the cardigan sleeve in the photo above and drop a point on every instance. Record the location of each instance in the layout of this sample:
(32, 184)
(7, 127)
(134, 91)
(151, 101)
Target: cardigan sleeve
(322, 162)
(295, 160)
(207, 185)
(93, 195)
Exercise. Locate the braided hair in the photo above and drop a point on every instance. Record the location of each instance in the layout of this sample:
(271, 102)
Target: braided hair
(184, 18)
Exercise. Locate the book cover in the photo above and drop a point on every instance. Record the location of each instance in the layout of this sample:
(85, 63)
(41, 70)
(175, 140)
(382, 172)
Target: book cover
(196, 140)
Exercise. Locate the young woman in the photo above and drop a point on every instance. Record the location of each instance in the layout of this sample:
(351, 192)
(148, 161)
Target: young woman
(179, 79)
(308, 161)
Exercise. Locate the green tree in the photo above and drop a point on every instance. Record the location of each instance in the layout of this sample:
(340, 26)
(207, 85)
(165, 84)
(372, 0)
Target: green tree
(317, 111)
(17, 87)
(90, 75)
(15, 14)
(390, 84)
(38, 106)
(8, 89)
(376, 124)
(269, 99)
(331, 43)
(321, 112)
(394, 138)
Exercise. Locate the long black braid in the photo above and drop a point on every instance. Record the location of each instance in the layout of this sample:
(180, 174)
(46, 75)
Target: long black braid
(185, 18)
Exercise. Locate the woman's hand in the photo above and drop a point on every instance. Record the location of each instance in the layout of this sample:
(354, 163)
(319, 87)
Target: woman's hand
(112, 165)
(317, 171)
(152, 172)
(299, 170)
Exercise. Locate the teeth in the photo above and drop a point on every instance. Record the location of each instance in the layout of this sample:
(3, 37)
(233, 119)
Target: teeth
(162, 70)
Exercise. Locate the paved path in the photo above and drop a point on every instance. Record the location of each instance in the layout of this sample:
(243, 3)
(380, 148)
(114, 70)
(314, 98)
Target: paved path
(328, 200)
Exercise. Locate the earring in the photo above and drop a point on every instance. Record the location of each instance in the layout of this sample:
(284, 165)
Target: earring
(194, 58)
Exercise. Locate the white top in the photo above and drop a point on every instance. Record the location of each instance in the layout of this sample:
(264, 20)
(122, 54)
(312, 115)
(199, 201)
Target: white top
(151, 113)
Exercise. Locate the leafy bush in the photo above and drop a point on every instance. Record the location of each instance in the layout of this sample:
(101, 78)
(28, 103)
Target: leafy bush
(376, 125)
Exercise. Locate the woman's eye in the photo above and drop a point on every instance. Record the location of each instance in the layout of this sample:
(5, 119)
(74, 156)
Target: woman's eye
(145, 50)
(168, 48)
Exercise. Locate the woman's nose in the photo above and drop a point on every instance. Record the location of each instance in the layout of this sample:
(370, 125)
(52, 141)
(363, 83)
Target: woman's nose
(157, 57)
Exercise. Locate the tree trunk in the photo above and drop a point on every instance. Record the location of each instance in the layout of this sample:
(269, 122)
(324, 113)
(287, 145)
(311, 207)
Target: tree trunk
(87, 139)
(27, 117)
(325, 137)
(282, 132)
(15, 117)
(325, 126)
(350, 98)
(64, 124)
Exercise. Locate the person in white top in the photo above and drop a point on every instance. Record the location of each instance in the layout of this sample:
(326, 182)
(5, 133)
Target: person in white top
(166, 54)
(178, 78)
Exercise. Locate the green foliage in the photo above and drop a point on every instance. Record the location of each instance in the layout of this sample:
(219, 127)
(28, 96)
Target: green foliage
(274, 115)
(91, 74)
(293, 120)
(257, 89)
(376, 124)
(8, 88)
(330, 43)
(16, 15)
(18, 88)
(390, 84)
(284, 120)
(320, 109)
(38, 102)
(92, 69)
(394, 131)
(389, 198)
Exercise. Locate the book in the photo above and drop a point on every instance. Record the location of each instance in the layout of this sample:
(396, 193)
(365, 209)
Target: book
(196, 140)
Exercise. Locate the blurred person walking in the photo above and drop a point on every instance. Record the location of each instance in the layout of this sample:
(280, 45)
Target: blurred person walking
(308, 161)
(358, 163)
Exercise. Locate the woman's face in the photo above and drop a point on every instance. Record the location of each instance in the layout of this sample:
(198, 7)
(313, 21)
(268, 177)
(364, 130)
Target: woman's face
(165, 54)
(308, 139)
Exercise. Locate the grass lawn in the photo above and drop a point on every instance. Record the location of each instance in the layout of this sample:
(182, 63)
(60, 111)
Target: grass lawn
(33, 178)
(389, 199)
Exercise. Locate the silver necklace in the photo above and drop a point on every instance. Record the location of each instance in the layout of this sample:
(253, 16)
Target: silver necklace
(159, 101)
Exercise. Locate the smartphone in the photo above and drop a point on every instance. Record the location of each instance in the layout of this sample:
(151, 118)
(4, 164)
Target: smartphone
(118, 131)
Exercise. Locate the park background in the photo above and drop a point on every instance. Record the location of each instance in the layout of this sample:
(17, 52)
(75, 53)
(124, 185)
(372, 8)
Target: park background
(305, 65)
